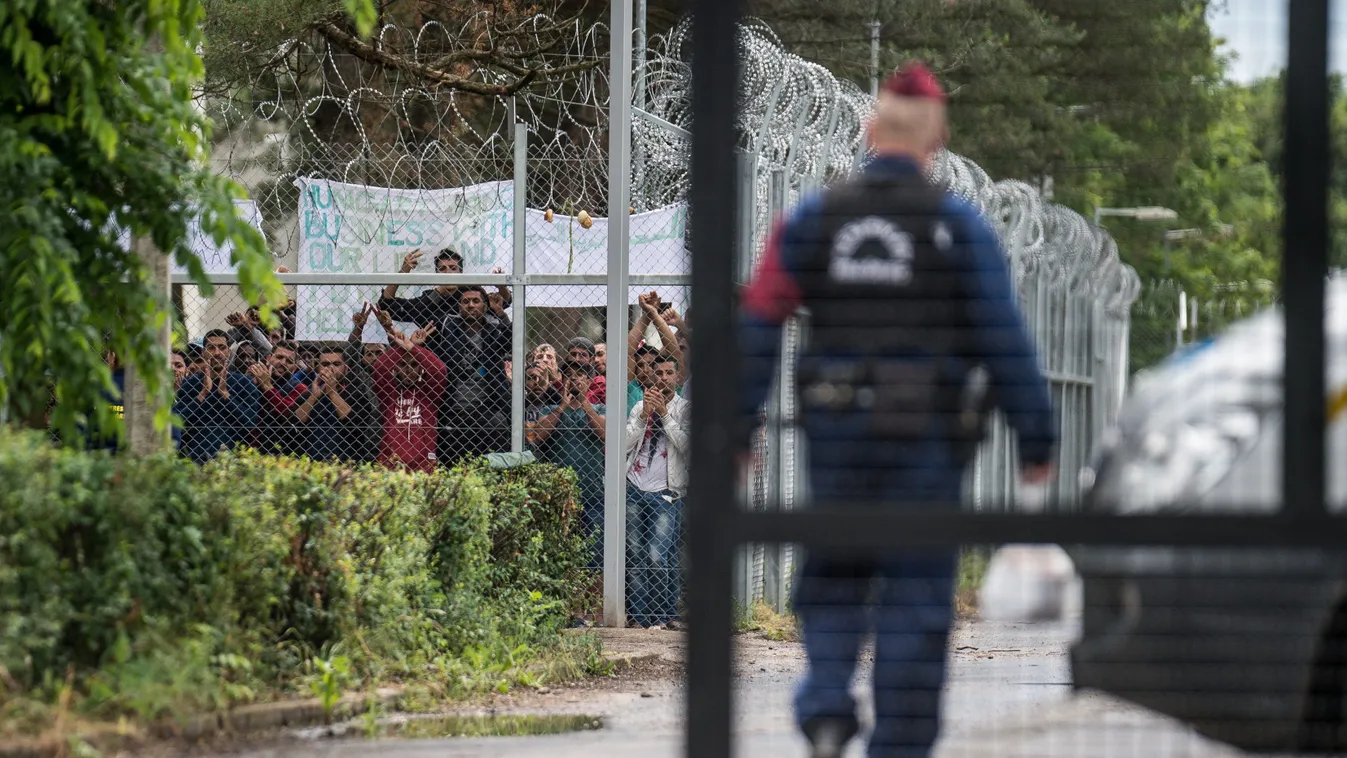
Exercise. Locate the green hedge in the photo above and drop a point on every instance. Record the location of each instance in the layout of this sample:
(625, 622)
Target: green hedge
(92, 548)
(537, 534)
(235, 577)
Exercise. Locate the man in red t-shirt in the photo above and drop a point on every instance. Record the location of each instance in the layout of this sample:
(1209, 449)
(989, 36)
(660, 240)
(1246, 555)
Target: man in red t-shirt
(409, 381)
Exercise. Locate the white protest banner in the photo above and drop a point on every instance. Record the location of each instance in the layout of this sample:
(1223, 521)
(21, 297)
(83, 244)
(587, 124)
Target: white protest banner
(563, 246)
(356, 228)
(216, 259)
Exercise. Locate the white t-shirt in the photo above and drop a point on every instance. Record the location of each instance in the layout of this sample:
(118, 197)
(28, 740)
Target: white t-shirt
(650, 473)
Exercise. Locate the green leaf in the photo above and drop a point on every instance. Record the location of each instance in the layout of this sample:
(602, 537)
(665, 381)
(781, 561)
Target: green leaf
(363, 13)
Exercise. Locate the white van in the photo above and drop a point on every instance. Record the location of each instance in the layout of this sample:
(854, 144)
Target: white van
(1247, 645)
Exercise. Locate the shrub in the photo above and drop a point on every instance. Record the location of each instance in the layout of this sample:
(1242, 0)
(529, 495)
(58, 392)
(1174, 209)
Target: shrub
(94, 549)
(151, 585)
(319, 552)
(537, 541)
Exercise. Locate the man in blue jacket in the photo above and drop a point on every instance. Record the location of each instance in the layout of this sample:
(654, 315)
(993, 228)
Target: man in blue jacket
(218, 406)
(908, 296)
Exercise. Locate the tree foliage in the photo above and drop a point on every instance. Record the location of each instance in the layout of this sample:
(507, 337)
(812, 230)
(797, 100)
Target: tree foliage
(494, 49)
(98, 132)
(1116, 104)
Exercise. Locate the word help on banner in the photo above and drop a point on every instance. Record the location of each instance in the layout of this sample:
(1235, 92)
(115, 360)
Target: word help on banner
(353, 228)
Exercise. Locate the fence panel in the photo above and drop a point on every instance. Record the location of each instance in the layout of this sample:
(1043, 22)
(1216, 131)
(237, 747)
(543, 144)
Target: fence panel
(355, 201)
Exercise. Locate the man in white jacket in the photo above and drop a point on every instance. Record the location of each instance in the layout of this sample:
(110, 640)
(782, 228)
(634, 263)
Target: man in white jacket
(657, 476)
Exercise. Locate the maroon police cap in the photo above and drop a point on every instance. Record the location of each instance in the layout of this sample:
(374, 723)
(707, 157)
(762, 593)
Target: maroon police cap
(915, 80)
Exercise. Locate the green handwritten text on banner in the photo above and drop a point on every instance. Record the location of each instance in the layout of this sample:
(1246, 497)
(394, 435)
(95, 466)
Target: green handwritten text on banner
(352, 228)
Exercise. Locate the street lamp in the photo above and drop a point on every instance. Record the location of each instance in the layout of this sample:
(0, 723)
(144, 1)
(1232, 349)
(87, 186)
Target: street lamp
(1140, 213)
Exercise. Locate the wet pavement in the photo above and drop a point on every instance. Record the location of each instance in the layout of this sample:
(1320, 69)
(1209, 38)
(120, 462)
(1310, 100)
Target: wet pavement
(1008, 695)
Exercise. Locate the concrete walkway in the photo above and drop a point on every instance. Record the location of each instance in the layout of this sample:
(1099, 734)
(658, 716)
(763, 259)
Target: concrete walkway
(1008, 696)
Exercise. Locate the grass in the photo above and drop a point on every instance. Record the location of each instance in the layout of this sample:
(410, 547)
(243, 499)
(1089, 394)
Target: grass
(570, 659)
(69, 728)
(972, 568)
(763, 620)
(502, 725)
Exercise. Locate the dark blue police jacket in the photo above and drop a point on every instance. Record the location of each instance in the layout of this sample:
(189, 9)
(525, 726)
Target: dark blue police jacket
(844, 462)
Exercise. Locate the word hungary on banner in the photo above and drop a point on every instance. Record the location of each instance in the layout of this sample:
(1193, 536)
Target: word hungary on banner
(354, 228)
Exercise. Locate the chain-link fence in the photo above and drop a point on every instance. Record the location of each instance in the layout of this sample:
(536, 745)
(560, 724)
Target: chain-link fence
(450, 295)
(1166, 317)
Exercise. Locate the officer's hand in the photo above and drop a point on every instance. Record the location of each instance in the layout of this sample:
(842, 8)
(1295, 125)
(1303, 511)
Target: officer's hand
(1037, 474)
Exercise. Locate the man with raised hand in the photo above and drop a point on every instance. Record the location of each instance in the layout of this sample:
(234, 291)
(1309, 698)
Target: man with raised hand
(338, 415)
(657, 454)
(909, 297)
(440, 301)
(282, 391)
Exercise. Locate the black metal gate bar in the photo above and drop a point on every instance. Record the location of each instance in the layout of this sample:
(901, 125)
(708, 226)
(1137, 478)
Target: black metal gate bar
(1305, 256)
(710, 501)
(714, 526)
(874, 527)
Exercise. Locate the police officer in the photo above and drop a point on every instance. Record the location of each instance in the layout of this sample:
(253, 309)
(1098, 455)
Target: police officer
(906, 295)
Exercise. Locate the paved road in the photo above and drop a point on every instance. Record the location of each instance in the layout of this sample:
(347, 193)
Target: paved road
(1008, 696)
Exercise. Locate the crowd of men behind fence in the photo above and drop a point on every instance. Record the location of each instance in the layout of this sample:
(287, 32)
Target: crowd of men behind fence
(440, 394)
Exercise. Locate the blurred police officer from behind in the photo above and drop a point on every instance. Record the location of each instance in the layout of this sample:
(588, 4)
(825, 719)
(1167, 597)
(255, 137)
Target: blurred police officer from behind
(912, 330)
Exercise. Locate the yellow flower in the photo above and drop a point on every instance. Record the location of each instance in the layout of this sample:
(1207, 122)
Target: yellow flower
(547, 215)
(585, 220)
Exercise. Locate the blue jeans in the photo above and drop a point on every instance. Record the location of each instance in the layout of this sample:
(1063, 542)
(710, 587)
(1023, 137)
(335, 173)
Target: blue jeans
(911, 607)
(911, 620)
(654, 578)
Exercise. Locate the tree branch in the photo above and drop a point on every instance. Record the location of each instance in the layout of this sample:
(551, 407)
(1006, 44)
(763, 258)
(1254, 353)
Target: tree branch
(370, 54)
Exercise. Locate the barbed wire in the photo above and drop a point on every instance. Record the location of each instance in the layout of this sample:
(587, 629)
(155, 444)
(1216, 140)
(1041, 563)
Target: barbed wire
(322, 112)
(797, 118)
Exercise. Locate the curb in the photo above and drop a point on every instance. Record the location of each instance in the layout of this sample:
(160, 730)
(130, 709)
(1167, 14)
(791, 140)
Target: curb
(247, 719)
(623, 661)
(268, 716)
(264, 717)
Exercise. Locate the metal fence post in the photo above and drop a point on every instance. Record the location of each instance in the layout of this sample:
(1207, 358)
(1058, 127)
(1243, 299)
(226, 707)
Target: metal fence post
(1308, 159)
(746, 172)
(774, 566)
(712, 512)
(619, 178)
(520, 306)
